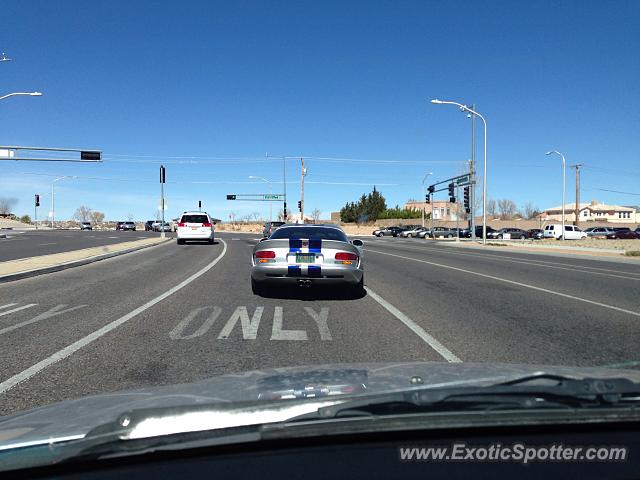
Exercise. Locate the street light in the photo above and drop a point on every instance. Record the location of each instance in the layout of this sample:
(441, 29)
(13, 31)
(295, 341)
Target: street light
(53, 197)
(30, 94)
(424, 196)
(484, 174)
(270, 191)
(564, 170)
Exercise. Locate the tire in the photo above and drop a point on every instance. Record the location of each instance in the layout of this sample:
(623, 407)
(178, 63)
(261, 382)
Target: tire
(257, 288)
(358, 289)
(180, 241)
(499, 237)
(211, 241)
(449, 236)
(522, 237)
(380, 235)
(409, 235)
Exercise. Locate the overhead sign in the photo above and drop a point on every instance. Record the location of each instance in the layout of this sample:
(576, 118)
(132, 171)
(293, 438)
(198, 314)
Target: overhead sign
(462, 180)
(271, 196)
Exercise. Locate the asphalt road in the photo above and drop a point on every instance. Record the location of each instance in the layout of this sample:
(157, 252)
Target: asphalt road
(32, 243)
(172, 314)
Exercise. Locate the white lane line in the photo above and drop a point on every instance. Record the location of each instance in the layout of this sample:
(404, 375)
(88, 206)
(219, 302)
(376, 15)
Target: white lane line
(534, 263)
(83, 342)
(43, 244)
(17, 309)
(113, 237)
(415, 328)
(7, 305)
(512, 282)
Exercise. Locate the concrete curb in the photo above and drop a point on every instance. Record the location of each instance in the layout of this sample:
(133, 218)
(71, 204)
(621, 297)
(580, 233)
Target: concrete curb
(74, 263)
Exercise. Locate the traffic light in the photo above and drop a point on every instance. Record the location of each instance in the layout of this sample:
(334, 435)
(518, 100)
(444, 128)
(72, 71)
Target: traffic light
(37, 200)
(466, 197)
(300, 205)
(231, 197)
(452, 193)
(199, 203)
(427, 198)
(162, 174)
(91, 155)
(431, 189)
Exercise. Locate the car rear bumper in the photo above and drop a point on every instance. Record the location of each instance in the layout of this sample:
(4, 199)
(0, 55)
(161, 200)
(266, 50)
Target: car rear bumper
(191, 235)
(326, 275)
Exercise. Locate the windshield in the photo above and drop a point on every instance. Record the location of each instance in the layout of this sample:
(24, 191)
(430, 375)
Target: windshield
(330, 187)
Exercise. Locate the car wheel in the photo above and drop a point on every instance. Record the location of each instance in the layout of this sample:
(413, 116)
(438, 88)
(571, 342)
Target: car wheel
(449, 236)
(257, 288)
(522, 237)
(211, 242)
(358, 289)
(409, 235)
(380, 235)
(499, 236)
(180, 241)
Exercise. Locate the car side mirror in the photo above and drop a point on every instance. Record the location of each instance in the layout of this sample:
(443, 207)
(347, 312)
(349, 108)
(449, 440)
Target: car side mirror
(357, 242)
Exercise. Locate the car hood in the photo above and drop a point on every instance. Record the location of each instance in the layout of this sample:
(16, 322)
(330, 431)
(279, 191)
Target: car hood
(75, 418)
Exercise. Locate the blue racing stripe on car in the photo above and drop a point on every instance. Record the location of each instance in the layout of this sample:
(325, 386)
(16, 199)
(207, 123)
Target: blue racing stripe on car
(315, 271)
(294, 271)
(295, 245)
(315, 245)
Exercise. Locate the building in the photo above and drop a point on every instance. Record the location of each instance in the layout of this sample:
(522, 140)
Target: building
(442, 210)
(592, 212)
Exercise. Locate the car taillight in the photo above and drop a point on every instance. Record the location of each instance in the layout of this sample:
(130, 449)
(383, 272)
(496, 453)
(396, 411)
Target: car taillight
(346, 256)
(265, 256)
(206, 225)
(181, 224)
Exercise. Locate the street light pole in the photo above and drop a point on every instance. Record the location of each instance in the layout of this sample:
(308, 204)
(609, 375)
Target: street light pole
(270, 192)
(15, 94)
(425, 197)
(564, 171)
(484, 174)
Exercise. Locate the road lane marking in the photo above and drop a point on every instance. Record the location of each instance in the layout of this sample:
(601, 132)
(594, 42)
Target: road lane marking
(7, 305)
(415, 328)
(538, 263)
(249, 326)
(178, 332)
(83, 342)
(52, 312)
(16, 309)
(512, 282)
(321, 320)
(279, 333)
(43, 244)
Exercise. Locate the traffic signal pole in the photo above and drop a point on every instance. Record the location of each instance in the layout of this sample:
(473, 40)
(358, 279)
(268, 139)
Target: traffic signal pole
(162, 180)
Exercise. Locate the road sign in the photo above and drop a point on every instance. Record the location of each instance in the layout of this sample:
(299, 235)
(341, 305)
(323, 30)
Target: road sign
(462, 180)
(271, 196)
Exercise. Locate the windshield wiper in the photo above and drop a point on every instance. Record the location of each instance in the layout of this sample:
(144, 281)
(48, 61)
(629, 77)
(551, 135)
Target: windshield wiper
(520, 393)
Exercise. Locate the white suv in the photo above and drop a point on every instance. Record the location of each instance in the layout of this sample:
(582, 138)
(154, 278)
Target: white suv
(571, 232)
(195, 226)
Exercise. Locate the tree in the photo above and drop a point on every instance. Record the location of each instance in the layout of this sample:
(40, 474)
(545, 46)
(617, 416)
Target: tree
(25, 219)
(7, 204)
(368, 208)
(491, 207)
(97, 217)
(82, 214)
(507, 209)
(130, 216)
(315, 215)
(529, 210)
(280, 215)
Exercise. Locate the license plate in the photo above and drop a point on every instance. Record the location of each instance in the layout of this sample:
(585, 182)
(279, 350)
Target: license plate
(194, 228)
(305, 257)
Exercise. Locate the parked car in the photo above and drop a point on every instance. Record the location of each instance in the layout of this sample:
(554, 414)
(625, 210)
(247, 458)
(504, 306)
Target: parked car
(623, 235)
(269, 228)
(571, 232)
(426, 233)
(119, 226)
(444, 232)
(86, 226)
(535, 233)
(387, 231)
(413, 232)
(131, 226)
(598, 231)
(160, 227)
(148, 225)
(479, 231)
(508, 232)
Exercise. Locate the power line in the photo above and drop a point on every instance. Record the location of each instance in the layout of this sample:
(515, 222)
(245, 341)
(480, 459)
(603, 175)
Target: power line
(615, 191)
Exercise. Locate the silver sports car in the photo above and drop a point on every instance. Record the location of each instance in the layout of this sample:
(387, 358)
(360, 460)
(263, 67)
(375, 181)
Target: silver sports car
(307, 255)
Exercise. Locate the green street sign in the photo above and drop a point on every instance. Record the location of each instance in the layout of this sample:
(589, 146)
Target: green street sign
(271, 196)
(462, 180)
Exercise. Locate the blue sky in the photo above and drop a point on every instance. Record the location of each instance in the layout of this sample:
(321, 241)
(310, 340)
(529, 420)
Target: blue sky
(209, 88)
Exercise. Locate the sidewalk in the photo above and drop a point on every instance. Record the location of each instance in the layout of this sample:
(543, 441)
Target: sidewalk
(28, 267)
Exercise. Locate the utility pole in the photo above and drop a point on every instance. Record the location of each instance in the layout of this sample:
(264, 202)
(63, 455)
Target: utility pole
(472, 168)
(458, 214)
(162, 180)
(577, 209)
(303, 172)
(284, 186)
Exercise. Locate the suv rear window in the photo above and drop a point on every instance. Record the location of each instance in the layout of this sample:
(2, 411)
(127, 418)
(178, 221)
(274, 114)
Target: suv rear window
(129, 223)
(194, 219)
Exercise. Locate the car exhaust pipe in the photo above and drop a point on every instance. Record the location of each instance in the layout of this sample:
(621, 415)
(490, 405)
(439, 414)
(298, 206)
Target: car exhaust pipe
(304, 283)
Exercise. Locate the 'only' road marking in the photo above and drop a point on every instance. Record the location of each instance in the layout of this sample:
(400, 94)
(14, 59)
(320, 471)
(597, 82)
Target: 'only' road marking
(83, 342)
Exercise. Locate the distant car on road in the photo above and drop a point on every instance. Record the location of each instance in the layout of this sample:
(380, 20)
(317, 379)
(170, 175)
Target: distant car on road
(162, 227)
(148, 225)
(623, 235)
(571, 232)
(270, 227)
(535, 233)
(86, 226)
(307, 256)
(126, 226)
(512, 233)
(195, 226)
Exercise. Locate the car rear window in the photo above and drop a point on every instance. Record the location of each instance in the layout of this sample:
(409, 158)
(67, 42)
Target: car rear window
(195, 219)
(129, 223)
(309, 232)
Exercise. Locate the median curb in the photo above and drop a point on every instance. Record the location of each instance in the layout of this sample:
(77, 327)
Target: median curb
(85, 260)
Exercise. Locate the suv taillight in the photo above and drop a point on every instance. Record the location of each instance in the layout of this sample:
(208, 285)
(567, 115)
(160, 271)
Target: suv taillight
(181, 224)
(206, 225)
